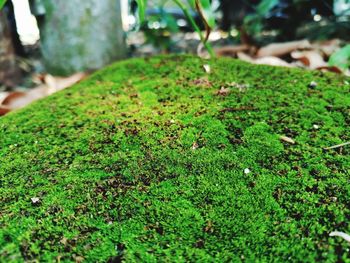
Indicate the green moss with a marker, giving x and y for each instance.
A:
(144, 161)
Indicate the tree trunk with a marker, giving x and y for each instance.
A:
(9, 71)
(80, 35)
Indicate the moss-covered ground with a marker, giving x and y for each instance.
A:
(156, 160)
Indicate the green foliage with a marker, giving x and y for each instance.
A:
(142, 6)
(202, 6)
(161, 37)
(2, 3)
(265, 6)
(145, 162)
(207, 11)
(254, 23)
(341, 58)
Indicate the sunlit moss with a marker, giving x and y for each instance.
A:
(146, 161)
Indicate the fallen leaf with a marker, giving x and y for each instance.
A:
(311, 59)
(230, 51)
(59, 83)
(12, 98)
(3, 96)
(243, 56)
(327, 47)
(4, 110)
(281, 49)
(272, 61)
(287, 139)
(333, 69)
(17, 99)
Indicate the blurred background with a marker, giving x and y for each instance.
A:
(43, 39)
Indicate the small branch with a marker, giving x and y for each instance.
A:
(196, 28)
(337, 146)
(207, 27)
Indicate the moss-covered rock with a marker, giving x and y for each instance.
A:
(154, 159)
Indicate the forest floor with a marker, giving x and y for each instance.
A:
(180, 159)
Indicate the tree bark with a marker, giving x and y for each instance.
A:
(80, 35)
(9, 71)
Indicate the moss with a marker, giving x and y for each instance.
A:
(146, 161)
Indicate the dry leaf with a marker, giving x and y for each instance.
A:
(17, 100)
(272, 61)
(327, 47)
(59, 83)
(4, 110)
(230, 51)
(287, 139)
(3, 96)
(331, 69)
(280, 49)
(311, 59)
(243, 56)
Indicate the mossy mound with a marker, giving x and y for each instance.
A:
(156, 160)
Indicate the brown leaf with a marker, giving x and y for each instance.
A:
(287, 139)
(4, 110)
(3, 96)
(17, 100)
(12, 97)
(281, 49)
(230, 51)
(311, 59)
(272, 61)
(330, 69)
(58, 83)
(245, 57)
(327, 47)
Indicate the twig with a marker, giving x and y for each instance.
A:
(206, 25)
(196, 27)
(337, 146)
